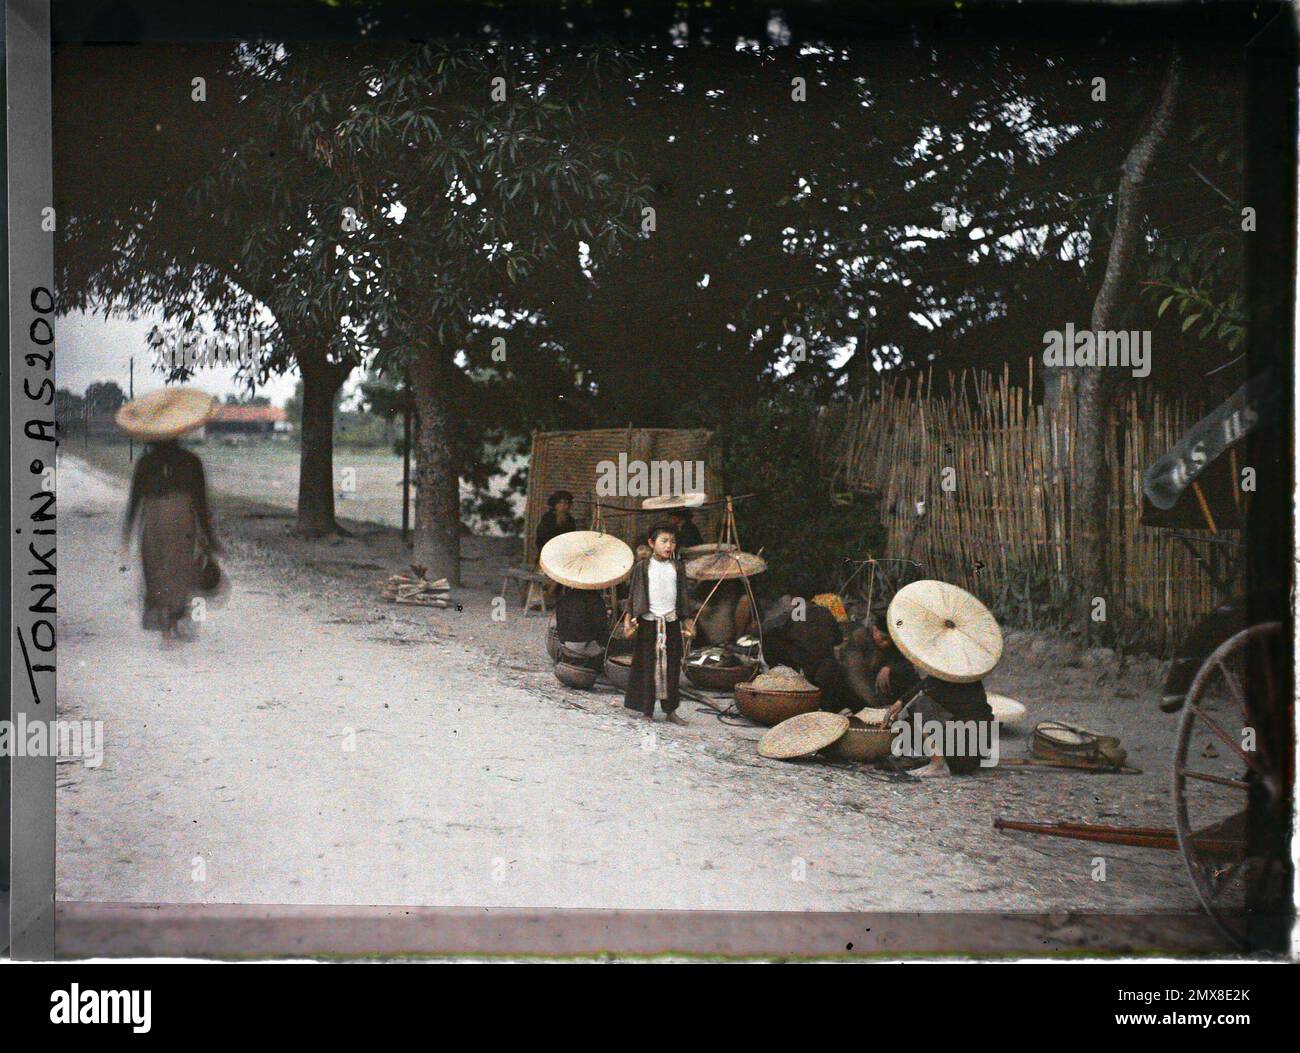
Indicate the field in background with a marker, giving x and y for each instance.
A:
(267, 470)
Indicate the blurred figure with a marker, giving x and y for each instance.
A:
(169, 503)
(169, 506)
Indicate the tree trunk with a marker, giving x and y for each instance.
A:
(437, 494)
(1090, 519)
(320, 383)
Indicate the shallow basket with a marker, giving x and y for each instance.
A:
(575, 676)
(719, 677)
(771, 707)
(861, 742)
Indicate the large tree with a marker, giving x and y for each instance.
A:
(913, 208)
(468, 166)
(1110, 313)
(194, 200)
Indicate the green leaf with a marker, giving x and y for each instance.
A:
(1167, 301)
(1190, 321)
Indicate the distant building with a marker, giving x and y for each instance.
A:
(249, 420)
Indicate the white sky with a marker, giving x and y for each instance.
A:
(92, 347)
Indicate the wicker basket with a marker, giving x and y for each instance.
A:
(861, 742)
(771, 707)
(576, 676)
(720, 677)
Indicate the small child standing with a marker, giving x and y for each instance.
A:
(657, 618)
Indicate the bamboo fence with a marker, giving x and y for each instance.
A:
(974, 484)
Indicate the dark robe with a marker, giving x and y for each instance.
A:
(641, 683)
(550, 525)
(962, 701)
(688, 534)
(942, 701)
(580, 616)
(805, 644)
(169, 502)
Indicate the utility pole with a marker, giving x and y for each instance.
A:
(406, 457)
(131, 395)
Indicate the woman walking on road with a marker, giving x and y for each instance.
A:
(169, 505)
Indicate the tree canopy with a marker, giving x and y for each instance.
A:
(557, 230)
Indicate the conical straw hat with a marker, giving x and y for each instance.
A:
(944, 631)
(692, 500)
(803, 735)
(722, 565)
(166, 413)
(1006, 710)
(586, 559)
(707, 549)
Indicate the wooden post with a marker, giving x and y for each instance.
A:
(406, 459)
(131, 389)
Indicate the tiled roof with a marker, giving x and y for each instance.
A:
(251, 414)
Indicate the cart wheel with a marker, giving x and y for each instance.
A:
(1228, 783)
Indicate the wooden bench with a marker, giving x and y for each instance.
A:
(531, 585)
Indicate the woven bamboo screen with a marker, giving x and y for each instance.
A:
(567, 460)
(1003, 531)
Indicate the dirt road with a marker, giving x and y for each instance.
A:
(317, 746)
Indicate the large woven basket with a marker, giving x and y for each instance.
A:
(862, 742)
(764, 706)
(720, 677)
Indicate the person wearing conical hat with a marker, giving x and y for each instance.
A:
(955, 642)
(168, 509)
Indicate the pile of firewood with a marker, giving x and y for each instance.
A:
(416, 590)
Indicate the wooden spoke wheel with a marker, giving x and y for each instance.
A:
(1230, 784)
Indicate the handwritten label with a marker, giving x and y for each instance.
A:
(36, 632)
